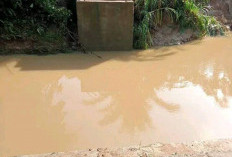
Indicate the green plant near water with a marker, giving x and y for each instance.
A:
(32, 20)
(185, 13)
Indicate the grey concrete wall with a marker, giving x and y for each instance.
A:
(105, 25)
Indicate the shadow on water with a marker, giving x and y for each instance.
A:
(79, 61)
(127, 96)
(87, 93)
(45, 122)
(129, 93)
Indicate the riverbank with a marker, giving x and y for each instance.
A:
(162, 35)
(216, 148)
(170, 34)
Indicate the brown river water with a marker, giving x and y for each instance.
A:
(77, 101)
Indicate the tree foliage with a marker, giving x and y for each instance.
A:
(24, 19)
(186, 13)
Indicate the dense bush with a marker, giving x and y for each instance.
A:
(185, 13)
(28, 19)
(43, 20)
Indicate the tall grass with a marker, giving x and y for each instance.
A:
(186, 13)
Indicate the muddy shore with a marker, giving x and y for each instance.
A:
(216, 148)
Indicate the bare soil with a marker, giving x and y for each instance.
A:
(171, 35)
(217, 148)
(222, 10)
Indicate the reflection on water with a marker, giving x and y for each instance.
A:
(77, 101)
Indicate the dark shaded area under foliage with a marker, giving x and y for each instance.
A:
(41, 25)
(50, 26)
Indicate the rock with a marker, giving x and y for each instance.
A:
(132, 149)
(222, 9)
(100, 149)
(174, 37)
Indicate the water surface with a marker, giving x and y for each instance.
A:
(77, 101)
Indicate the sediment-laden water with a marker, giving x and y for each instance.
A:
(76, 101)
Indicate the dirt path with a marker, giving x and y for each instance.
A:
(219, 148)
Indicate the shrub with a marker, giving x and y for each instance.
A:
(27, 19)
(185, 13)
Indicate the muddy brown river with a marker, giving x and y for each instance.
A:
(76, 101)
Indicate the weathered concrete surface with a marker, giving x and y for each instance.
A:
(218, 148)
(105, 25)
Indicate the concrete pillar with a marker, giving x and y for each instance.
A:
(105, 25)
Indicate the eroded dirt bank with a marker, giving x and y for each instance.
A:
(171, 34)
(222, 10)
(219, 148)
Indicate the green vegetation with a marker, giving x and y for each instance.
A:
(46, 27)
(40, 21)
(185, 13)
